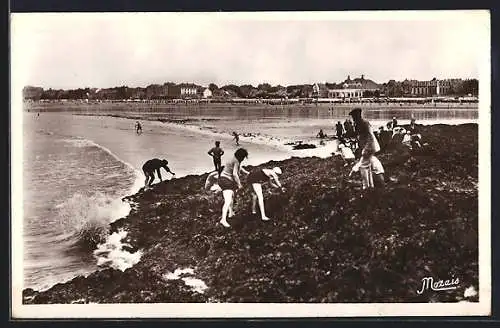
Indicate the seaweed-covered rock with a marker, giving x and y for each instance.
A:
(327, 241)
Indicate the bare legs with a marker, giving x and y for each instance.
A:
(365, 170)
(258, 196)
(149, 179)
(227, 208)
(372, 171)
(377, 173)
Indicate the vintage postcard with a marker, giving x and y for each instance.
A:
(277, 164)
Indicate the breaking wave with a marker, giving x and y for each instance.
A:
(88, 216)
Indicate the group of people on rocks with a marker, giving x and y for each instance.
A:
(228, 177)
(409, 137)
(345, 130)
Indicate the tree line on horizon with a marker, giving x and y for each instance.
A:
(391, 88)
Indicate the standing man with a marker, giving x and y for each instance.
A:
(369, 164)
(216, 153)
(339, 130)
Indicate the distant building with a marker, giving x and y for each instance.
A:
(224, 94)
(432, 87)
(188, 90)
(421, 88)
(356, 88)
(319, 90)
(449, 86)
(207, 93)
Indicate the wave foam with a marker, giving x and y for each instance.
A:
(112, 254)
(88, 215)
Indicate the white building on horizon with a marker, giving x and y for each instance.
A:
(187, 90)
(357, 88)
(207, 93)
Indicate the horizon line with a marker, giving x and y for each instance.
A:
(246, 83)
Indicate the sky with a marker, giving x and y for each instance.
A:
(101, 50)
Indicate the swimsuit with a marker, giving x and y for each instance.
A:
(226, 179)
(227, 184)
(257, 176)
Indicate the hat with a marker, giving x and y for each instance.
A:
(355, 111)
(277, 170)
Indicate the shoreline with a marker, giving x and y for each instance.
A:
(321, 221)
(282, 144)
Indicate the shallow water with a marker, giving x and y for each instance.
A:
(76, 170)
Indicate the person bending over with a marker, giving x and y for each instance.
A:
(153, 165)
(256, 178)
(229, 181)
(346, 153)
(377, 171)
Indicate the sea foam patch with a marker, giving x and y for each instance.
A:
(196, 284)
(112, 254)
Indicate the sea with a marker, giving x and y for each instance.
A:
(77, 167)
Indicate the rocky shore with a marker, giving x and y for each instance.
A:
(326, 243)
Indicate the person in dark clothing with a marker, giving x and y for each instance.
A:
(413, 126)
(339, 130)
(256, 178)
(394, 122)
(415, 137)
(138, 127)
(349, 129)
(153, 165)
(384, 138)
(236, 138)
(216, 153)
(321, 134)
(346, 123)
